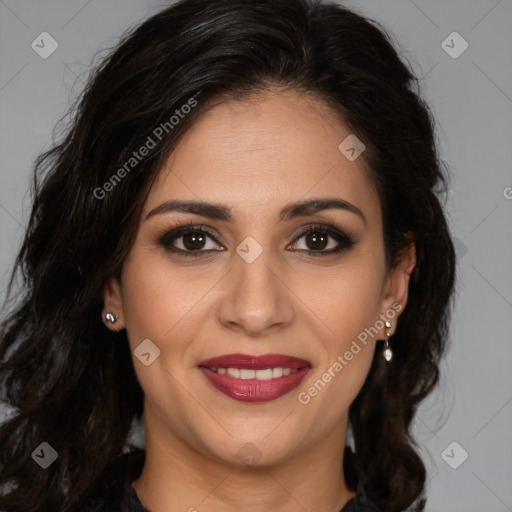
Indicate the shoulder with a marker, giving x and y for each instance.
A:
(112, 491)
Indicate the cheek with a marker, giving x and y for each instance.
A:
(155, 297)
(346, 298)
(355, 319)
(166, 305)
(337, 381)
(157, 305)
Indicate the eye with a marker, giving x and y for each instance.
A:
(196, 240)
(189, 241)
(323, 240)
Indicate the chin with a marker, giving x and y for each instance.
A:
(256, 451)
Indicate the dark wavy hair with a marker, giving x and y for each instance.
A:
(69, 380)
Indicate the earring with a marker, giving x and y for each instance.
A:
(388, 353)
(110, 317)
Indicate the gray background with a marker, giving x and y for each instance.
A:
(471, 97)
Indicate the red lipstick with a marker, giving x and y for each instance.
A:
(281, 375)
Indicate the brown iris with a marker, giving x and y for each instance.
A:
(316, 241)
(194, 241)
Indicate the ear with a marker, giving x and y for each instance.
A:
(113, 303)
(396, 287)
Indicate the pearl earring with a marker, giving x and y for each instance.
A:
(110, 317)
(388, 353)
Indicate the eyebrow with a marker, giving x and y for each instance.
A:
(290, 211)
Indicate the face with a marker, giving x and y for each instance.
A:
(257, 275)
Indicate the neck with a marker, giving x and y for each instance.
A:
(177, 477)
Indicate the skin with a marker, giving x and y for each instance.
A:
(255, 156)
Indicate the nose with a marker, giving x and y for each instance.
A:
(256, 298)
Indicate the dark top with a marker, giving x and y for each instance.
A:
(113, 491)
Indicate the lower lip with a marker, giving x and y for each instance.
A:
(254, 390)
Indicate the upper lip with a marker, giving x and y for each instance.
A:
(248, 362)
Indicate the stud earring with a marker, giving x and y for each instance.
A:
(110, 317)
(388, 353)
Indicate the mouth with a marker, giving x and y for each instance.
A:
(255, 378)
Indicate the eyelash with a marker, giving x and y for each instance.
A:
(345, 241)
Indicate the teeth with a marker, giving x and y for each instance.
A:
(233, 372)
(266, 374)
(277, 372)
(248, 374)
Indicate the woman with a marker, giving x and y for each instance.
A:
(240, 240)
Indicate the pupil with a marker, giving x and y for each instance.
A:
(193, 240)
(318, 240)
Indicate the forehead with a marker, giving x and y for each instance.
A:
(260, 153)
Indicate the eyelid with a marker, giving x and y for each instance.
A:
(343, 238)
(180, 230)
